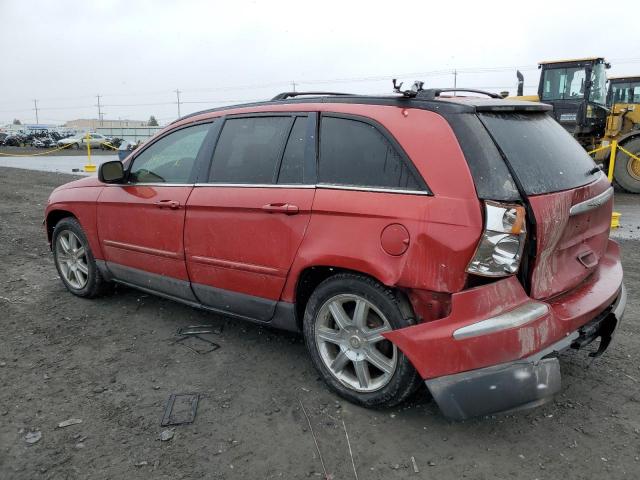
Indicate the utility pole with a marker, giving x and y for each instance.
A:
(35, 104)
(178, 97)
(99, 110)
(455, 81)
(293, 84)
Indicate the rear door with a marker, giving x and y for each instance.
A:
(140, 223)
(569, 197)
(246, 219)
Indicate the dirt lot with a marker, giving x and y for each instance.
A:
(113, 362)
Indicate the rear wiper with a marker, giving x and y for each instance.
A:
(594, 170)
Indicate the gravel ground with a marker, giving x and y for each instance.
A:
(113, 362)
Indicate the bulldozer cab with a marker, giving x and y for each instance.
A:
(625, 90)
(577, 90)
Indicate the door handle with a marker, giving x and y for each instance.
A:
(285, 208)
(168, 204)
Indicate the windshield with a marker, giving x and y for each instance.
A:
(627, 92)
(543, 156)
(563, 83)
(598, 84)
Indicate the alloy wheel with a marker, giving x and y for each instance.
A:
(71, 257)
(348, 334)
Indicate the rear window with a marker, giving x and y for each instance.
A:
(542, 154)
(356, 153)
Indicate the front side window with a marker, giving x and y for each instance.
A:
(171, 159)
(356, 153)
(249, 149)
(563, 83)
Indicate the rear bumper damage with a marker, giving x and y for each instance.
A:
(497, 350)
(521, 384)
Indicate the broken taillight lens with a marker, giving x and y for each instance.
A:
(500, 249)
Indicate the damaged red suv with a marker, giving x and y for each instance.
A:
(457, 241)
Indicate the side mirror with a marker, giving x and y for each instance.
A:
(111, 172)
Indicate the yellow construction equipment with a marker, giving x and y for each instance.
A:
(594, 114)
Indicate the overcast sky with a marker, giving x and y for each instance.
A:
(137, 53)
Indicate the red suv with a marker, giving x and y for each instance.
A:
(458, 241)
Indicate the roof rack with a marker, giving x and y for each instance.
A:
(431, 93)
(285, 95)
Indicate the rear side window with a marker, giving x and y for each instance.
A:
(292, 166)
(356, 153)
(249, 149)
(543, 155)
(490, 174)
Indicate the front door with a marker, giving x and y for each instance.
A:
(141, 222)
(245, 224)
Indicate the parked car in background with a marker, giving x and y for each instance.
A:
(461, 242)
(96, 140)
(43, 142)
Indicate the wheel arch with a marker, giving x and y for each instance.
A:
(623, 139)
(310, 277)
(52, 219)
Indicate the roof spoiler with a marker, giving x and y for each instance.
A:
(514, 107)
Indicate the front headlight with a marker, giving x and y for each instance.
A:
(500, 249)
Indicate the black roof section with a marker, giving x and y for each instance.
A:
(428, 100)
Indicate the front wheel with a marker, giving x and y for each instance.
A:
(343, 326)
(627, 169)
(74, 259)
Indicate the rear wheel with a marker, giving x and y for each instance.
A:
(627, 169)
(343, 326)
(74, 259)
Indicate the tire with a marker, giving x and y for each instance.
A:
(356, 362)
(627, 170)
(77, 268)
(76, 146)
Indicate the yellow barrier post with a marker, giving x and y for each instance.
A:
(89, 167)
(615, 216)
(612, 159)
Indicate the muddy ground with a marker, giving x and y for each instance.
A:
(113, 362)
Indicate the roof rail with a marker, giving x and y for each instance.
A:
(285, 95)
(431, 93)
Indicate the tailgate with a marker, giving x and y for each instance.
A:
(572, 229)
(569, 198)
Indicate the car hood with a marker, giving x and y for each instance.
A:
(69, 140)
(80, 183)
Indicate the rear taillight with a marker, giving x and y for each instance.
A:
(500, 248)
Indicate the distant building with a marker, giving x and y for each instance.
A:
(93, 123)
(27, 127)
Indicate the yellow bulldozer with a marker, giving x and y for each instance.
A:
(606, 121)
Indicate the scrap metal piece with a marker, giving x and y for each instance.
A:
(199, 329)
(181, 409)
(207, 348)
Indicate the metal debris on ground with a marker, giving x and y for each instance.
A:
(181, 409)
(33, 437)
(71, 421)
(315, 440)
(415, 465)
(199, 330)
(206, 345)
(167, 435)
(353, 463)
